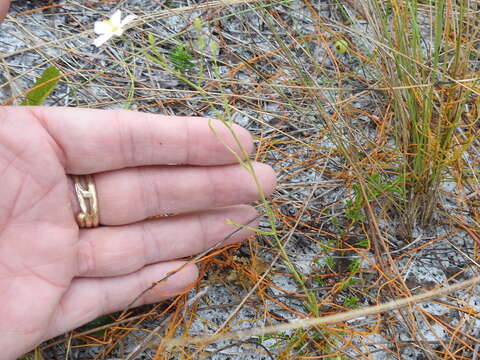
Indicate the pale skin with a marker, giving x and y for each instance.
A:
(54, 276)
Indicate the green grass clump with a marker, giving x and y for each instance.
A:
(428, 69)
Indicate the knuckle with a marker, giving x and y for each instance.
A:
(86, 261)
(126, 138)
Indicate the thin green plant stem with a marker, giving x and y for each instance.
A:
(246, 164)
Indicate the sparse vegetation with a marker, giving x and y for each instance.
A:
(181, 59)
(368, 110)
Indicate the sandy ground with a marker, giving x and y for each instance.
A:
(63, 33)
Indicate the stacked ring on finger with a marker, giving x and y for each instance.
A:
(87, 197)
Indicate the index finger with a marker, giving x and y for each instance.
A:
(100, 140)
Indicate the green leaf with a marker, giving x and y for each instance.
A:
(181, 59)
(151, 39)
(351, 302)
(364, 243)
(43, 87)
(319, 281)
(96, 323)
(354, 265)
(347, 283)
(330, 262)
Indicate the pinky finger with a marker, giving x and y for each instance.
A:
(89, 298)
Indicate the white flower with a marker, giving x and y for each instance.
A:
(111, 27)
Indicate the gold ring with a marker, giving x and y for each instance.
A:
(87, 198)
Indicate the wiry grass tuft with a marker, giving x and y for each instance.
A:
(426, 53)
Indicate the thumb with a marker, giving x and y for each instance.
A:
(4, 5)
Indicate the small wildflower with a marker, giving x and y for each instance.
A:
(108, 28)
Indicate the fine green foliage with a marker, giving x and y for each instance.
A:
(181, 59)
(43, 87)
(330, 261)
(351, 302)
(377, 187)
(353, 209)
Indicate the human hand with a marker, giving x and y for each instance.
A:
(54, 276)
(4, 4)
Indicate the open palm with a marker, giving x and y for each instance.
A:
(54, 276)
